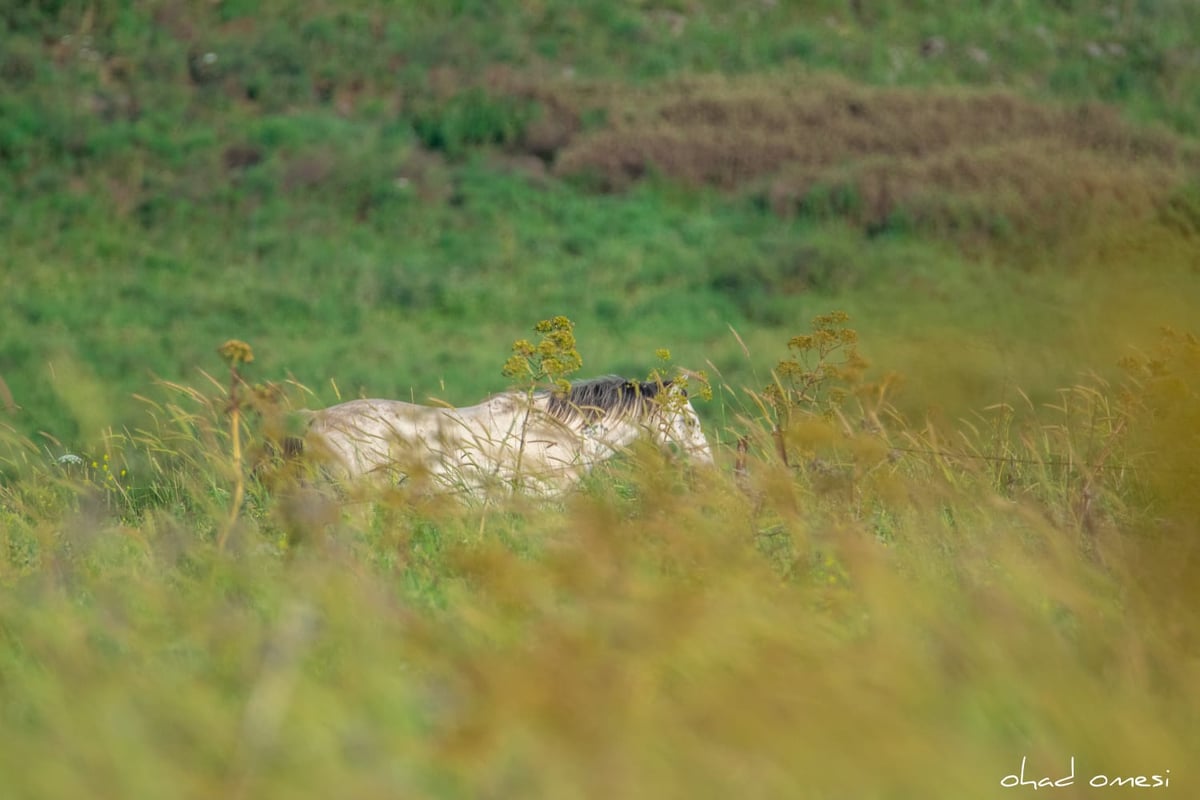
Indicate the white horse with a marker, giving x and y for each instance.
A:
(541, 443)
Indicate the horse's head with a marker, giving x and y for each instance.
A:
(681, 425)
(611, 412)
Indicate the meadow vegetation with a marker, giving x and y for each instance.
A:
(952, 524)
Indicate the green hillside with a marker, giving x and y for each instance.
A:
(383, 194)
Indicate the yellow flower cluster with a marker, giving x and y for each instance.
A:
(827, 356)
(109, 474)
(552, 358)
(235, 351)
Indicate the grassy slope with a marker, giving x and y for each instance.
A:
(423, 306)
(159, 204)
(863, 625)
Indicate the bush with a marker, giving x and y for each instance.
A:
(471, 118)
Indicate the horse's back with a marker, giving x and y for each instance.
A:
(372, 435)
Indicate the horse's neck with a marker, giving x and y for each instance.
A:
(602, 438)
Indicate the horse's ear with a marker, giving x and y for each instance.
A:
(675, 384)
(648, 389)
(645, 389)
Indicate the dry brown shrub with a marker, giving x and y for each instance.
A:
(308, 170)
(241, 156)
(1028, 184)
(553, 129)
(946, 160)
(943, 158)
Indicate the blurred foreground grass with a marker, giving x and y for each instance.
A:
(904, 612)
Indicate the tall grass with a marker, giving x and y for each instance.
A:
(896, 611)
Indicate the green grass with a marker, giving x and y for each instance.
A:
(423, 302)
(974, 566)
(155, 208)
(659, 632)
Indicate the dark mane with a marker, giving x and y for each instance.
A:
(595, 398)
